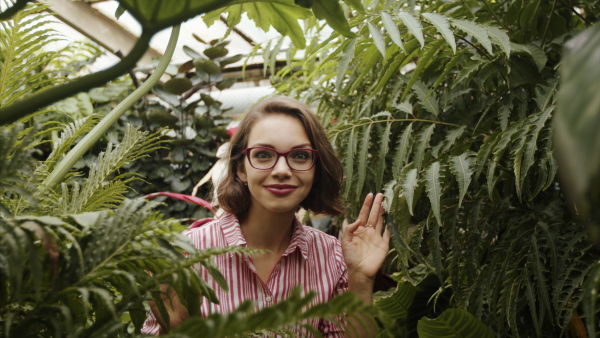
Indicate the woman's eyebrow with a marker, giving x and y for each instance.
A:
(304, 145)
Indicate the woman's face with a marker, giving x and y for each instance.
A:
(279, 189)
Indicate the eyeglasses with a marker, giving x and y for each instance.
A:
(263, 158)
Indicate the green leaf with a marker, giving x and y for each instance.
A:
(216, 52)
(426, 97)
(390, 26)
(396, 306)
(402, 151)
(178, 85)
(377, 38)
(344, 61)
(537, 54)
(478, 31)
(282, 15)
(462, 167)
(441, 23)
(434, 189)
(156, 15)
(362, 160)
(356, 4)
(332, 12)
(422, 145)
(408, 181)
(423, 61)
(383, 150)
(500, 38)
(349, 161)
(413, 25)
(454, 323)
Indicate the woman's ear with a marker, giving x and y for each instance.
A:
(241, 173)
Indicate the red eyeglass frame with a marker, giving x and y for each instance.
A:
(284, 154)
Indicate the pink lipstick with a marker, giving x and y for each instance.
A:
(280, 189)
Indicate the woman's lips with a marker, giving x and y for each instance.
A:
(280, 189)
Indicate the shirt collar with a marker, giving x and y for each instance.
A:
(234, 237)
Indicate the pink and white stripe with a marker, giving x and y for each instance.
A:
(313, 261)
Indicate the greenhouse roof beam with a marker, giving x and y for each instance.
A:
(97, 27)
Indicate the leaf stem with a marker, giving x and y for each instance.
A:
(100, 129)
(337, 132)
(548, 23)
(43, 98)
(487, 4)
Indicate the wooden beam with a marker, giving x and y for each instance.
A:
(98, 28)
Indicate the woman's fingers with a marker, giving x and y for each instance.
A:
(375, 213)
(363, 216)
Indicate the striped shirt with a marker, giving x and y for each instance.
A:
(313, 261)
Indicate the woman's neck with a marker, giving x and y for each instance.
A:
(265, 230)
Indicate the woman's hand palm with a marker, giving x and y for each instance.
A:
(363, 244)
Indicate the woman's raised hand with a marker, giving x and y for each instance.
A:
(363, 244)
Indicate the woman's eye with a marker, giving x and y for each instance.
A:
(301, 155)
(262, 154)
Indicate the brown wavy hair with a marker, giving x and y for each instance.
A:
(324, 197)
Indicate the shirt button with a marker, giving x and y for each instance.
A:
(268, 298)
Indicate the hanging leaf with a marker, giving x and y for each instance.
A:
(413, 25)
(422, 145)
(402, 151)
(332, 12)
(537, 54)
(377, 38)
(434, 189)
(441, 23)
(456, 323)
(408, 181)
(362, 160)
(392, 29)
(344, 61)
(349, 165)
(383, 150)
(462, 167)
(500, 38)
(423, 61)
(478, 31)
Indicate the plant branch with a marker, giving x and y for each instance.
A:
(32, 103)
(487, 4)
(337, 132)
(100, 129)
(10, 12)
(548, 23)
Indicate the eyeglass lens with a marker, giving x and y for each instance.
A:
(261, 158)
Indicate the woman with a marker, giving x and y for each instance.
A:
(281, 160)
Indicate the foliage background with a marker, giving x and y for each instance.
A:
(447, 107)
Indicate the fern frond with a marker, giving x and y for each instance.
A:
(22, 63)
(16, 163)
(67, 139)
(135, 144)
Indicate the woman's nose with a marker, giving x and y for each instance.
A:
(281, 168)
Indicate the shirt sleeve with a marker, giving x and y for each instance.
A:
(151, 325)
(336, 329)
